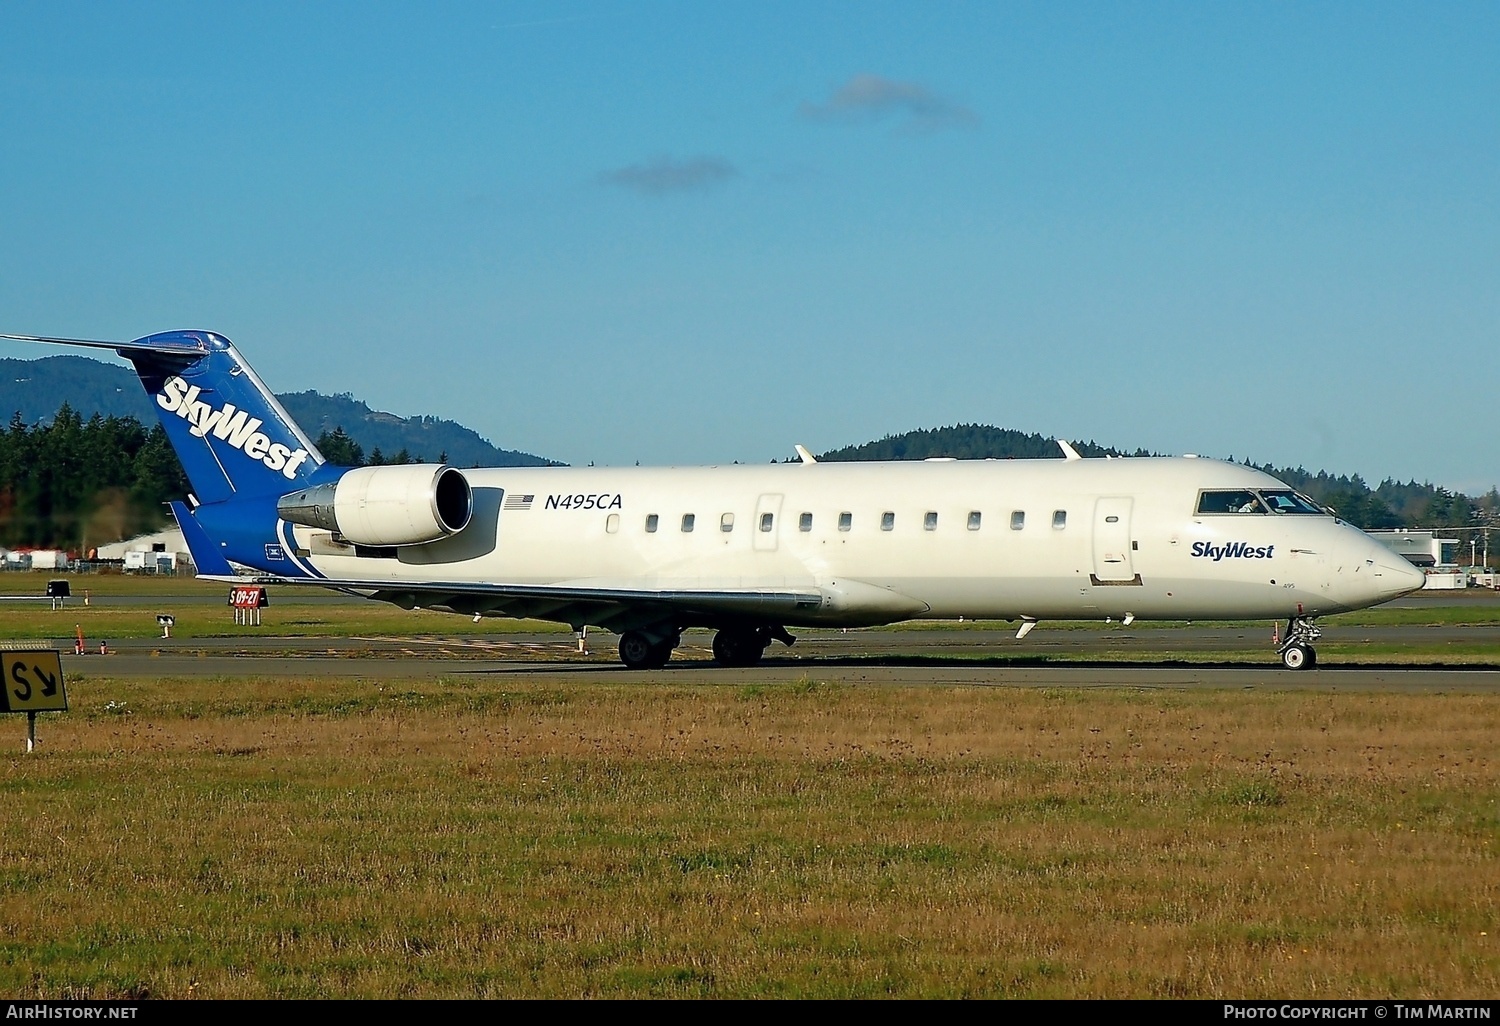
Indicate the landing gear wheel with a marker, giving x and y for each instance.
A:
(739, 647)
(1297, 648)
(1298, 657)
(639, 652)
(661, 654)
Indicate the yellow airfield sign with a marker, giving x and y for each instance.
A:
(33, 682)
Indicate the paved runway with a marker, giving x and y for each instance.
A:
(980, 657)
(1054, 655)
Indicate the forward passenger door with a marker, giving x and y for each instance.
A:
(1112, 559)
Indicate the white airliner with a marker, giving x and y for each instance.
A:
(748, 551)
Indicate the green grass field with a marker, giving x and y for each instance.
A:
(303, 838)
(201, 610)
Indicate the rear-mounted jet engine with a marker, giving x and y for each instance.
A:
(401, 505)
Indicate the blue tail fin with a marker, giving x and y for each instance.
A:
(207, 557)
(233, 439)
(232, 436)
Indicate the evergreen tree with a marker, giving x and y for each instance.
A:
(341, 450)
(77, 485)
(965, 442)
(157, 476)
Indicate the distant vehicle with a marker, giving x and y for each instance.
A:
(748, 551)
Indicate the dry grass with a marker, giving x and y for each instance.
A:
(327, 838)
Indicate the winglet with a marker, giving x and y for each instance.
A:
(1069, 453)
(804, 455)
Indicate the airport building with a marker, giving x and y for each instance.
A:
(1437, 557)
(35, 559)
(1421, 548)
(162, 552)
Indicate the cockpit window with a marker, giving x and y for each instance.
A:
(1229, 502)
(1290, 502)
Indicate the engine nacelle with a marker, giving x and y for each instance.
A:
(397, 505)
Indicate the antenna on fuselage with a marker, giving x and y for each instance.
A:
(804, 455)
(1069, 453)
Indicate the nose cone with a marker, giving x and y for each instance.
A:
(1397, 577)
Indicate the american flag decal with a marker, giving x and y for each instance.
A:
(513, 501)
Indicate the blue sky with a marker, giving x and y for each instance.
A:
(692, 232)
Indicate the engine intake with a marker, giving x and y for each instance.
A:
(401, 505)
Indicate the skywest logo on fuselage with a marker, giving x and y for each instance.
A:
(1232, 550)
(234, 426)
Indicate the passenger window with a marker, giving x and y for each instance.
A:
(974, 520)
(929, 522)
(651, 521)
(1017, 520)
(766, 520)
(887, 521)
(804, 522)
(1229, 502)
(687, 523)
(612, 524)
(1059, 519)
(846, 521)
(726, 523)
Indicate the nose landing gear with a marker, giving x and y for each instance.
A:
(1296, 651)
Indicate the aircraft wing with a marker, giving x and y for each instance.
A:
(614, 609)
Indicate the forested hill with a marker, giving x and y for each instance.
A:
(38, 388)
(428, 439)
(1391, 504)
(965, 442)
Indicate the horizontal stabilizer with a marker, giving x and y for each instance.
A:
(175, 343)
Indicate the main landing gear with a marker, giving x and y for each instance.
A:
(642, 651)
(1297, 652)
(733, 646)
(743, 646)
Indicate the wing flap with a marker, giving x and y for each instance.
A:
(600, 606)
